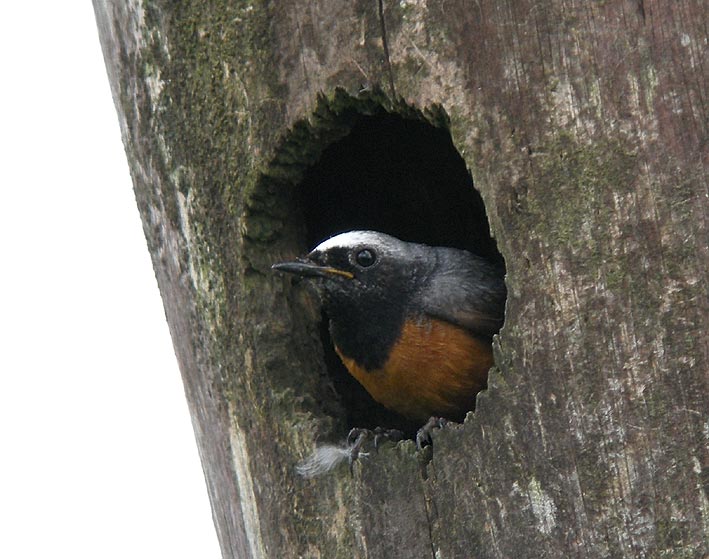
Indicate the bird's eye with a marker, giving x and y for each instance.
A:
(365, 258)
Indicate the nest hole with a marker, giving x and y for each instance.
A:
(397, 172)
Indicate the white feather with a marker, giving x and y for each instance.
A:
(324, 459)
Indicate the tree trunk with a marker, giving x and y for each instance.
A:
(584, 125)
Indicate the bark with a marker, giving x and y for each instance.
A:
(584, 125)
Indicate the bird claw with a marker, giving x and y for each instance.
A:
(392, 435)
(357, 437)
(423, 435)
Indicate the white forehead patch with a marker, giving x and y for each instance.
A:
(350, 239)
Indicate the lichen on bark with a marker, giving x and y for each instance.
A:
(589, 149)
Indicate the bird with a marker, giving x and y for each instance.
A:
(412, 323)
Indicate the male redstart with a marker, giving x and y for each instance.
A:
(412, 323)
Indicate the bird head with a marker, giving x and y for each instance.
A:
(362, 267)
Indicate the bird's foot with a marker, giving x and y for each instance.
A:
(379, 434)
(357, 438)
(423, 435)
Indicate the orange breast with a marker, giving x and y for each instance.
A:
(434, 369)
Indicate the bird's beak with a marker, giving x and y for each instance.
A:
(309, 269)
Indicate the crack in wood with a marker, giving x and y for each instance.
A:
(385, 44)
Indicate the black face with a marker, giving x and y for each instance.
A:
(365, 280)
(369, 270)
(361, 261)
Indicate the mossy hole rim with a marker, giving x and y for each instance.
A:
(305, 168)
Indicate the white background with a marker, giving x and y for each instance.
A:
(97, 454)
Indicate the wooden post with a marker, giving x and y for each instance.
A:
(584, 125)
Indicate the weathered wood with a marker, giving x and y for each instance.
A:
(584, 125)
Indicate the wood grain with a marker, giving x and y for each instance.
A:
(584, 125)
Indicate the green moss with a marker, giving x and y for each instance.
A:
(579, 180)
(228, 182)
(210, 93)
(671, 537)
(332, 119)
(267, 200)
(614, 275)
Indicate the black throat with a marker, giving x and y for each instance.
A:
(366, 332)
